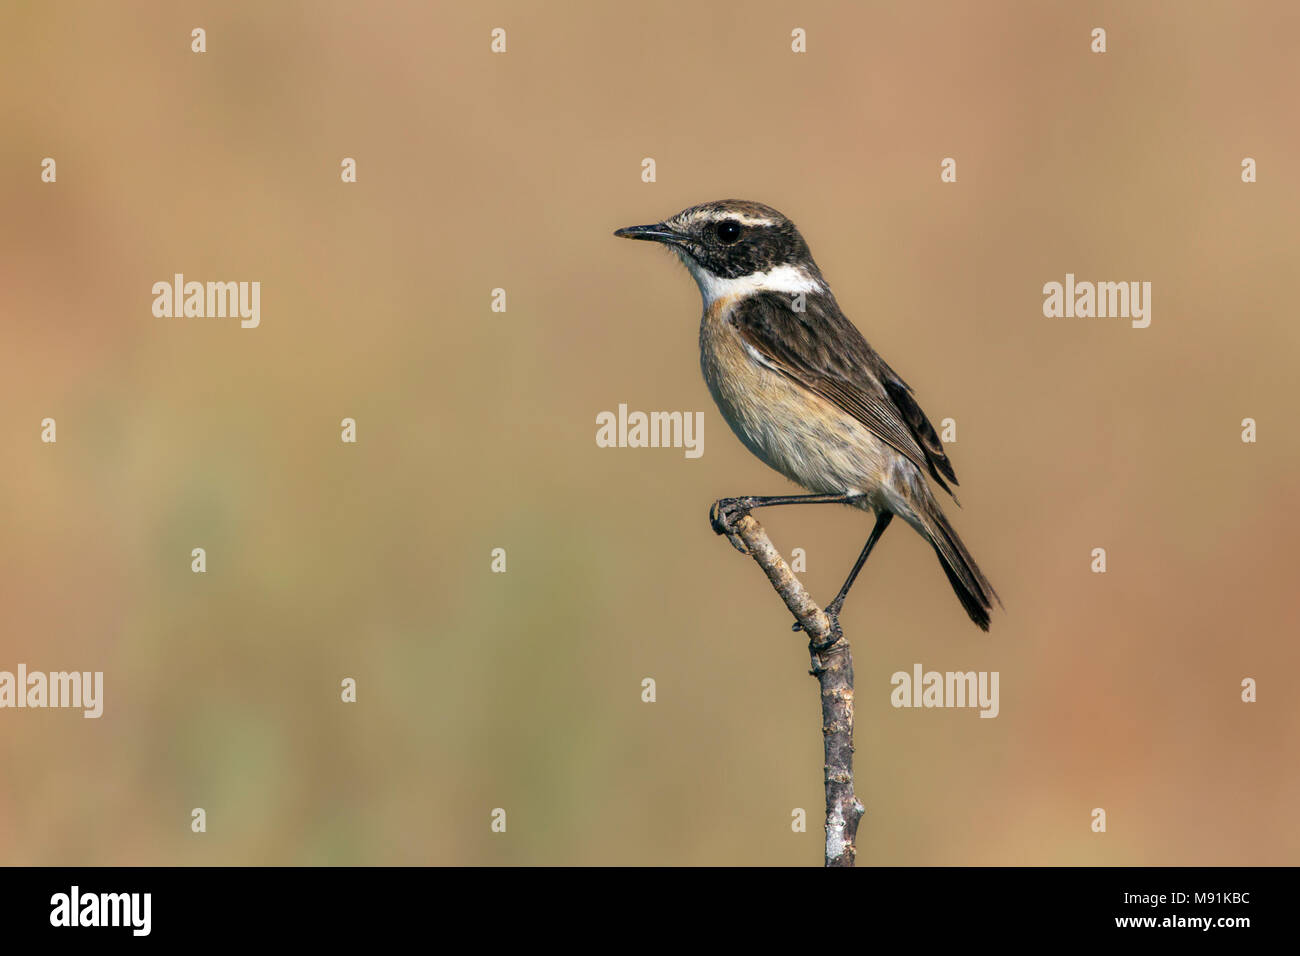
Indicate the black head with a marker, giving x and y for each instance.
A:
(730, 238)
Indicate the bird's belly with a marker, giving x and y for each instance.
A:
(789, 428)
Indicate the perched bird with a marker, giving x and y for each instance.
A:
(803, 390)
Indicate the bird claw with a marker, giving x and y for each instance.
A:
(836, 635)
(723, 517)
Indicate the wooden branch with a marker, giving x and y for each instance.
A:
(832, 665)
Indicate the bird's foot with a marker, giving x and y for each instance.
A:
(832, 612)
(723, 516)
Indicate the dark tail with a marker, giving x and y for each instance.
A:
(973, 588)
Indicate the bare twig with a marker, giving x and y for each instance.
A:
(832, 665)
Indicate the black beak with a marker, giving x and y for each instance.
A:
(655, 233)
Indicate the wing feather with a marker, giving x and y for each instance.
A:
(824, 352)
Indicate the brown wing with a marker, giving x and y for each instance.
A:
(824, 352)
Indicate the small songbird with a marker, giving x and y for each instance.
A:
(803, 390)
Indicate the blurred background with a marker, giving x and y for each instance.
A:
(476, 430)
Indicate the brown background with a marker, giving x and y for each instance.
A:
(522, 691)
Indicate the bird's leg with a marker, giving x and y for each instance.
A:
(726, 511)
(833, 609)
(882, 522)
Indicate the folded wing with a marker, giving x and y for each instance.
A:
(824, 352)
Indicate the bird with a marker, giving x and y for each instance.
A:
(803, 390)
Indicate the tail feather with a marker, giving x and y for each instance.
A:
(968, 581)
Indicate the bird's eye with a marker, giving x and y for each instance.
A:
(728, 231)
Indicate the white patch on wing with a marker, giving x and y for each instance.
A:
(759, 357)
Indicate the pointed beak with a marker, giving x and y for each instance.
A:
(658, 232)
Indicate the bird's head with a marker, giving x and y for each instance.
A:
(733, 246)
